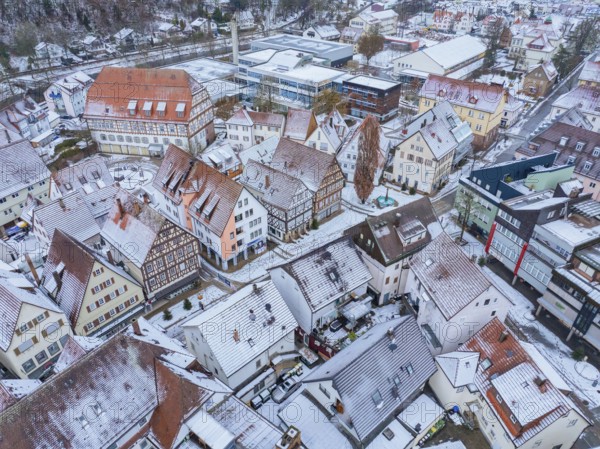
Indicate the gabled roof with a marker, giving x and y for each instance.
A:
(468, 94)
(548, 68)
(587, 99)
(326, 31)
(125, 373)
(181, 174)
(451, 279)
(459, 367)
(70, 214)
(74, 263)
(300, 124)
(456, 51)
(514, 376)
(277, 188)
(15, 290)
(88, 175)
(111, 95)
(371, 364)
(386, 245)
(329, 272)
(125, 227)
(591, 70)
(29, 170)
(257, 305)
(307, 164)
(262, 152)
(352, 34)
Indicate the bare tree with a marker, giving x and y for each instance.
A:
(370, 44)
(368, 156)
(466, 204)
(328, 100)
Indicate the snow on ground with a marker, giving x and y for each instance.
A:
(134, 176)
(551, 346)
(402, 198)
(316, 238)
(384, 59)
(210, 295)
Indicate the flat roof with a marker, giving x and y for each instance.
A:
(376, 83)
(204, 69)
(324, 49)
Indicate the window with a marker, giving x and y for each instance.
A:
(499, 398)
(26, 345)
(231, 236)
(596, 152)
(409, 369)
(587, 166)
(397, 381)
(51, 328)
(377, 399)
(92, 306)
(28, 365)
(41, 357)
(101, 301)
(572, 423)
(53, 348)
(101, 319)
(486, 302)
(486, 363)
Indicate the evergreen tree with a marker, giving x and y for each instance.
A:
(187, 305)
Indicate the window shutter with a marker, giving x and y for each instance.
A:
(35, 321)
(35, 340)
(107, 298)
(44, 333)
(18, 331)
(125, 287)
(46, 314)
(61, 322)
(112, 281)
(17, 352)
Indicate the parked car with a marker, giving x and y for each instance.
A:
(284, 390)
(262, 397)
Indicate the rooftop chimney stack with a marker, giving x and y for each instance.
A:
(121, 209)
(137, 209)
(135, 324)
(235, 42)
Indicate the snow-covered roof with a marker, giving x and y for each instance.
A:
(87, 176)
(518, 381)
(591, 70)
(467, 94)
(277, 188)
(459, 367)
(329, 272)
(307, 164)
(326, 31)
(456, 51)
(372, 82)
(421, 414)
(251, 321)
(30, 168)
(450, 278)
(543, 364)
(378, 372)
(69, 214)
(73, 262)
(300, 124)
(123, 33)
(102, 397)
(585, 98)
(262, 152)
(125, 227)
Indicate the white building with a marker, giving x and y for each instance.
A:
(387, 242)
(34, 329)
(385, 22)
(456, 58)
(26, 117)
(316, 285)
(453, 297)
(238, 338)
(330, 134)
(67, 95)
(511, 398)
(247, 128)
(324, 32)
(348, 154)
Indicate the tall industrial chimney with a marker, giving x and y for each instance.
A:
(235, 40)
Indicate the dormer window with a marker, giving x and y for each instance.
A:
(147, 108)
(596, 152)
(180, 110)
(563, 141)
(131, 107)
(571, 160)
(587, 166)
(580, 146)
(161, 108)
(486, 363)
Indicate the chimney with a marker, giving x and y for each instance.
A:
(503, 336)
(121, 209)
(236, 336)
(136, 208)
(135, 325)
(109, 256)
(58, 280)
(267, 182)
(32, 269)
(146, 198)
(291, 439)
(61, 203)
(235, 42)
(331, 121)
(255, 288)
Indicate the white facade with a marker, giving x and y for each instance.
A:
(450, 333)
(68, 95)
